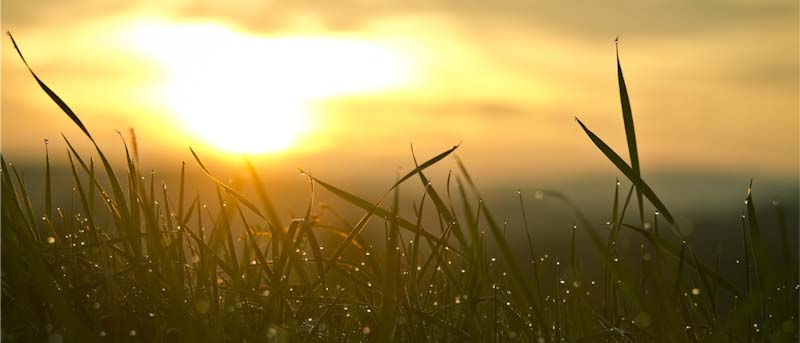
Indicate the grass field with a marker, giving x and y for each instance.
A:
(171, 267)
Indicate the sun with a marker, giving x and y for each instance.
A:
(250, 94)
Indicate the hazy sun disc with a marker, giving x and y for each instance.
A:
(249, 94)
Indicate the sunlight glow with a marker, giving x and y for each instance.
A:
(249, 94)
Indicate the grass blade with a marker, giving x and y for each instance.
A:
(630, 133)
(631, 175)
(61, 104)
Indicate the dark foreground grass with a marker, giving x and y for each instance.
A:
(167, 268)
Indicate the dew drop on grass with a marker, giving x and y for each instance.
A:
(696, 291)
(51, 240)
(132, 333)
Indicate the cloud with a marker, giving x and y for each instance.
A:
(584, 19)
(587, 19)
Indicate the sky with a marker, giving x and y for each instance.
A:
(344, 88)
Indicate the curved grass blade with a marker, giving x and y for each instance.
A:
(631, 175)
(423, 166)
(61, 104)
(229, 190)
(118, 194)
(366, 205)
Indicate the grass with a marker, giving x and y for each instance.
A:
(168, 268)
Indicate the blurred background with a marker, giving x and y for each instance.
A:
(343, 89)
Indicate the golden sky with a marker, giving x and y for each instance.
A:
(714, 84)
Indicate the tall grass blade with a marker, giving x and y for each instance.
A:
(764, 266)
(48, 191)
(630, 133)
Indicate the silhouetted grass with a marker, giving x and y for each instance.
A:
(169, 268)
